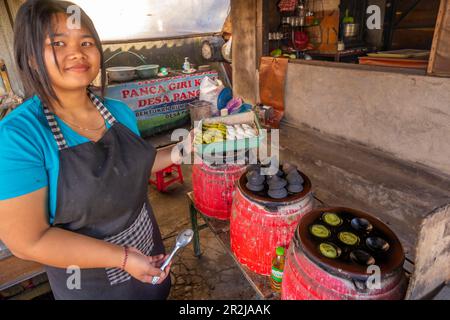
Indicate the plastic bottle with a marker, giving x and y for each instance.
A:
(277, 269)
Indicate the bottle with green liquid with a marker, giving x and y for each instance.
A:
(277, 269)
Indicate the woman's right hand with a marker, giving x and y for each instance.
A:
(144, 268)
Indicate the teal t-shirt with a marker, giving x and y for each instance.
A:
(29, 156)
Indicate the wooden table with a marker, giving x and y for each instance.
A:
(221, 229)
(13, 271)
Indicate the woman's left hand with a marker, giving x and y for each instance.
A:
(157, 262)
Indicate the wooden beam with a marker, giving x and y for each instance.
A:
(406, 13)
(389, 24)
(432, 268)
(8, 11)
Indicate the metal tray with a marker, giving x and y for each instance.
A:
(236, 145)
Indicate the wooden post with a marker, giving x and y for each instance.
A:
(439, 64)
(243, 17)
(432, 270)
(249, 45)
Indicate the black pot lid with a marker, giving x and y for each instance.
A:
(294, 177)
(345, 242)
(295, 188)
(277, 183)
(262, 197)
(278, 193)
(254, 178)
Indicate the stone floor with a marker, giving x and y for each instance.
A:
(212, 276)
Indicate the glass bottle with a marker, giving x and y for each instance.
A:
(186, 65)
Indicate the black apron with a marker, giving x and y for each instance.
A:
(102, 193)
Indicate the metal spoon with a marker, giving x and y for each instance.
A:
(183, 239)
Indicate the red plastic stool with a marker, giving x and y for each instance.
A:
(162, 183)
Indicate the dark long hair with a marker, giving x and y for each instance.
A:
(32, 26)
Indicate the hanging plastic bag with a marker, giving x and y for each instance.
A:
(209, 91)
(272, 78)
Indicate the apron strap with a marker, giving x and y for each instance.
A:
(103, 110)
(56, 131)
(59, 138)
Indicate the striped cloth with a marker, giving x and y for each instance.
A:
(59, 138)
(140, 236)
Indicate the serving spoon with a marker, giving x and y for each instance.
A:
(183, 239)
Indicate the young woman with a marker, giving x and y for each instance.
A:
(74, 170)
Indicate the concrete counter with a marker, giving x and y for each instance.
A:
(401, 112)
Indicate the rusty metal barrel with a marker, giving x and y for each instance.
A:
(214, 187)
(343, 254)
(258, 224)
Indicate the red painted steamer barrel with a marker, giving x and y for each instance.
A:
(358, 258)
(214, 187)
(258, 225)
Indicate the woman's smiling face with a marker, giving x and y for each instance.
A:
(76, 53)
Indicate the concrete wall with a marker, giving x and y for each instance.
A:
(406, 115)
